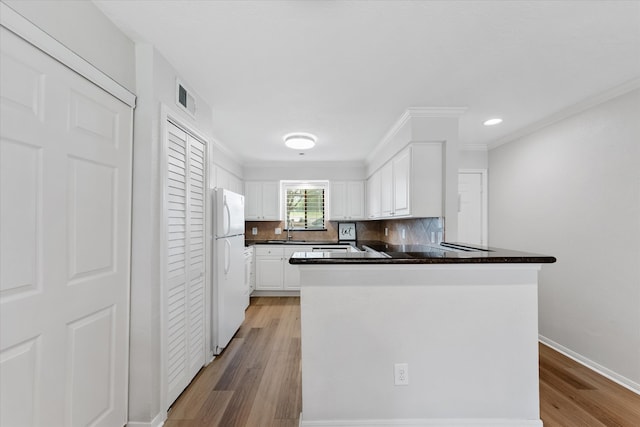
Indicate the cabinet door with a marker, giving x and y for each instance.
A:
(222, 178)
(373, 196)
(292, 272)
(386, 190)
(253, 200)
(338, 208)
(270, 201)
(355, 200)
(235, 184)
(269, 273)
(401, 182)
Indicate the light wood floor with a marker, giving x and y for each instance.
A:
(573, 395)
(256, 381)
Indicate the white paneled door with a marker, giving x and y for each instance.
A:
(65, 190)
(185, 268)
(472, 207)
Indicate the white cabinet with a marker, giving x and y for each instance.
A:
(386, 190)
(401, 183)
(249, 277)
(291, 279)
(347, 200)
(373, 196)
(269, 273)
(262, 201)
(227, 180)
(273, 271)
(410, 184)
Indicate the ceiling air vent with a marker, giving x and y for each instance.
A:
(185, 99)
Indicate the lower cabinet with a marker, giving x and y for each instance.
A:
(273, 271)
(291, 279)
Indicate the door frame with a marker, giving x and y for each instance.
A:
(484, 173)
(22, 27)
(167, 114)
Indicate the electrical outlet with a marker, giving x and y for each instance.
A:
(254, 230)
(401, 374)
(404, 234)
(278, 230)
(386, 231)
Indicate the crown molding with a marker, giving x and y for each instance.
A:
(581, 106)
(415, 112)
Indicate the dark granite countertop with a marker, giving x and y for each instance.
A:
(249, 242)
(447, 253)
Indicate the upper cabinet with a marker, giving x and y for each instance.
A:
(347, 200)
(410, 184)
(227, 180)
(262, 201)
(373, 196)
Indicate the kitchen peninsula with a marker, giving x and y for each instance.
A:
(457, 325)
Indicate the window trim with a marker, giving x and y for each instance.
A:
(305, 185)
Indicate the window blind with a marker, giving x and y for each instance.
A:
(305, 207)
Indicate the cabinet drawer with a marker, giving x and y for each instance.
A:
(269, 251)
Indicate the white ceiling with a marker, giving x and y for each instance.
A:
(347, 70)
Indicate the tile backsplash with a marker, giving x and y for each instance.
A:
(418, 230)
(365, 230)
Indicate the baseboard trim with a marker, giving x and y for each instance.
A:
(426, 422)
(258, 293)
(158, 421)
(605, 372)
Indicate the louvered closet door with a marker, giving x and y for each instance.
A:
(185, 314)
(196, 256)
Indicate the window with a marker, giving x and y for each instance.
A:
(304, 205)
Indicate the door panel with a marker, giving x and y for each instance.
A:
(65, 190)
(196, 256)
(92, 205)
(471, 211)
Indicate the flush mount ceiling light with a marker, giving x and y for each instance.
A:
(492, 122)
(300, 141)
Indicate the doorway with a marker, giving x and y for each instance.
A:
(472, 207)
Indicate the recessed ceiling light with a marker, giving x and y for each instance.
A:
(492, 122)
(300, 140)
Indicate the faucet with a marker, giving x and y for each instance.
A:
(289, 229)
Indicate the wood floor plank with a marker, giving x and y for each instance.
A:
(558, 410)
(256, 382)
(188, 405)
(582, 391)
(289, 405)
(266, 399)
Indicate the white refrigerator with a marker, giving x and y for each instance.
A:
(229, 296)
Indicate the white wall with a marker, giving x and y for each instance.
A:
(81, 26)
(467, 332)
(305, 171)
(155, 83)
(572, 190)
(473, 159)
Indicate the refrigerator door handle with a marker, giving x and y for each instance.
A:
(227, 256)
(227, 217)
